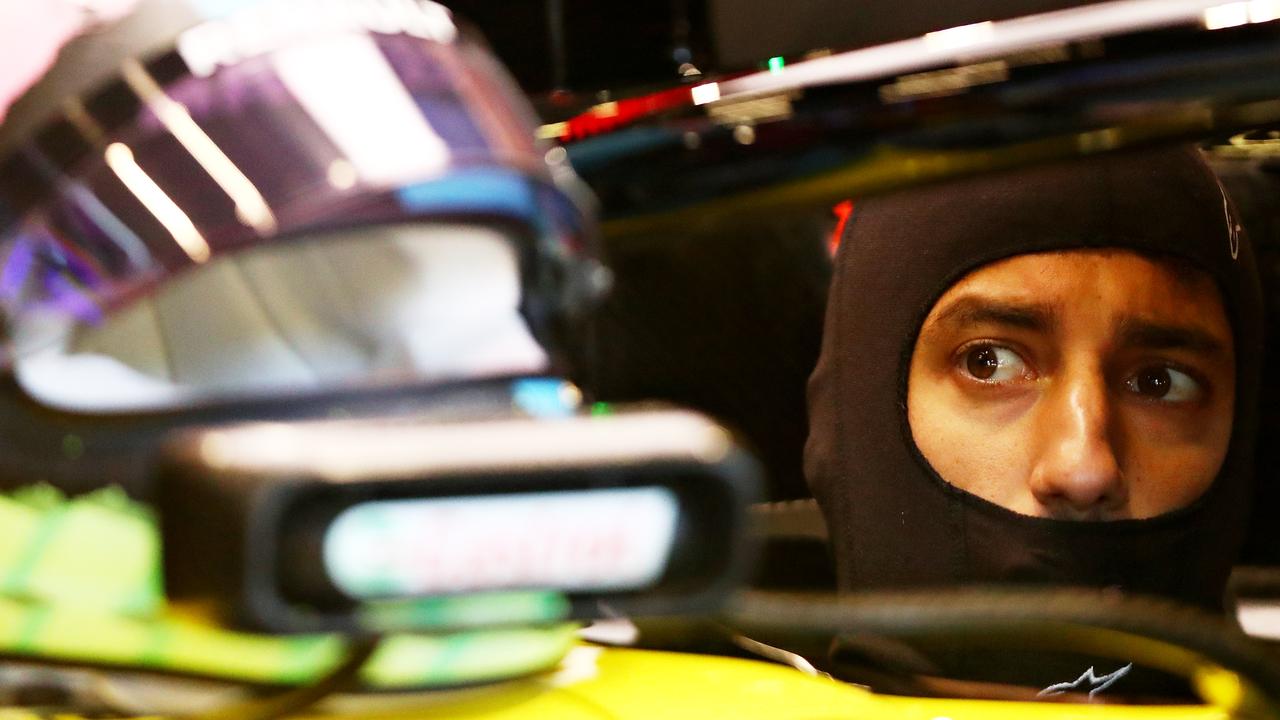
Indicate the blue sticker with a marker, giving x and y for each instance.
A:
(482, 191)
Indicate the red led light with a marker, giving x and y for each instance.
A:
(612, 115)
(842, 211)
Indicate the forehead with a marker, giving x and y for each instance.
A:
(1095, 284)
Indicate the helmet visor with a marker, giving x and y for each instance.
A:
(317, 139)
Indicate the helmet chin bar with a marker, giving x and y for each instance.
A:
(412, 302)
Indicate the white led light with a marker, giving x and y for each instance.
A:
(1264, 10)
(1259, 618)
(957, 38)
(703, 94)
(997, 39)
(1225, 16)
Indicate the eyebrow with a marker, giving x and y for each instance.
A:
(1038, 317)
(1146, 335)
(972, 309)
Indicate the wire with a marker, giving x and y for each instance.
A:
(292, 701)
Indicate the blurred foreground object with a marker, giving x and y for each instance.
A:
(82, 586)
(373, 525)
(216, 211)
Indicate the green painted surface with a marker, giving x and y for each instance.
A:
(80, 582)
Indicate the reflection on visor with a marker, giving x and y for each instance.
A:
(358, 130)
(410, 302)
(339, 83)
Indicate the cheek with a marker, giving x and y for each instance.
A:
(980, 450)
(1170, 460)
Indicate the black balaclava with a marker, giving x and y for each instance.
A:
(894, 522)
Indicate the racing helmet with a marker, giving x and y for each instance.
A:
(217, 210)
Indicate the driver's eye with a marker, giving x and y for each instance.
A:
(1164, 383)
(993, 364)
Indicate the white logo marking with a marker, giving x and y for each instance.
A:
(1088, 679)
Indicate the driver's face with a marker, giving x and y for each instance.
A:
(1088, 385)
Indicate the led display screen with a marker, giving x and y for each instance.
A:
(596, 540)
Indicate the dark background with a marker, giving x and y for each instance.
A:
(614, 45)
(729, 323)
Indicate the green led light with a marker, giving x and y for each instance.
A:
(601, 408)
(776, 64)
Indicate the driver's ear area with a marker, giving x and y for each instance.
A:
(1254, 186)
(1253, 182)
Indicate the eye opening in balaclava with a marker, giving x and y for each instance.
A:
(896, 523)
(1004, 298)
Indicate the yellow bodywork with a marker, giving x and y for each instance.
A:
(79, 585)
(596, 683)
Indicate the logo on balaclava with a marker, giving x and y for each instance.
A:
(1087, 681)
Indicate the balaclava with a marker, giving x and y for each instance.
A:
(894, 522)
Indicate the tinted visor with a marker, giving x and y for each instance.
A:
(341, 132)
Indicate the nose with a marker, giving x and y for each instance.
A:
(1077, 473)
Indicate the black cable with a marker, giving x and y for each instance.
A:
(291, 701)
